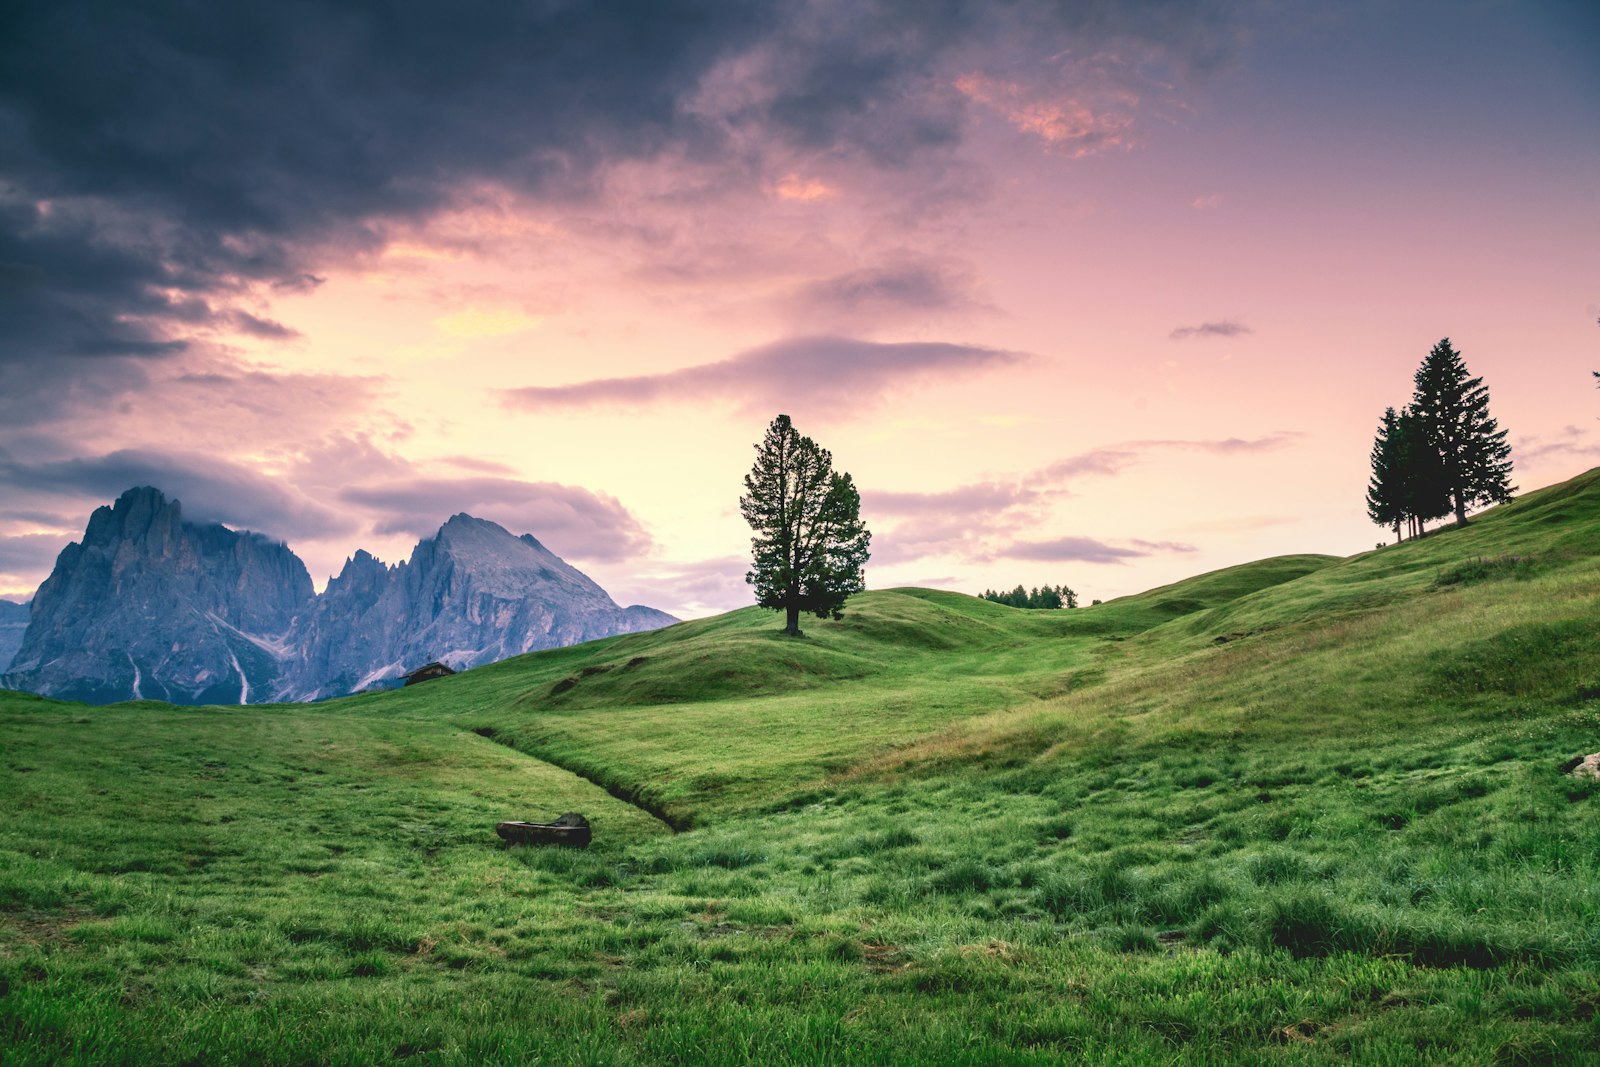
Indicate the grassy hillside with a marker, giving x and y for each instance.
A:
(1301, 811)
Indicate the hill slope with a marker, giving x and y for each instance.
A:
(1301, 811)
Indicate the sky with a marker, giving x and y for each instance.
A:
(1097, 294)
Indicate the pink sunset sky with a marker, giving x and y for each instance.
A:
(1096, 294)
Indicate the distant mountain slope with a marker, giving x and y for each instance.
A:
(149, 605)
(13, 621)
(471, 594)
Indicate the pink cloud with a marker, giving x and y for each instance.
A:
(828, 374)
(1066, 122)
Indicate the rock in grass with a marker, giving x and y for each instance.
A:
(570, 829)
(1583, 766)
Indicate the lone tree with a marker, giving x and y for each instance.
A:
(1452, 412)
(809, 543)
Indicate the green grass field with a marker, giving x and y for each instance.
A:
(1307, 810)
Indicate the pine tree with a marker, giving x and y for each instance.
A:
(1386, 503)
(1452, 410)
(1424, 493)
(809, 543)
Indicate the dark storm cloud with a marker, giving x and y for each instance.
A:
(835, 374)
(1226, 328)
(210, 489)
(574, 522)
(161, 158)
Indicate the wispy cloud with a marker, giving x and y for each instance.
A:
(211, 489)
(979, 498)
(1086, 550)
(981, 521)
(1223, 328)
(827, 375)
(1568, 441)
(906, 288)
(685, 589)
(1065, 121)
(1112, 459)
(576, 523)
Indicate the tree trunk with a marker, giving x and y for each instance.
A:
(1461, 511)
(793, 626)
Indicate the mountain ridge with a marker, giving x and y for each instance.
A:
(149, 604)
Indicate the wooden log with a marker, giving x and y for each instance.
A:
(570, 829)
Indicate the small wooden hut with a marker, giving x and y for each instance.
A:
(428, 673)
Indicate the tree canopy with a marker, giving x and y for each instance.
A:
(1443, 453)
(1452, 410)
(808, 544)
(1407, 488)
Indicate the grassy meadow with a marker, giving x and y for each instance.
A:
(1307, 810)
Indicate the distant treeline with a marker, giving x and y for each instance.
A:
(1047, 597)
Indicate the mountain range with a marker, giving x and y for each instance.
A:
(151, 605)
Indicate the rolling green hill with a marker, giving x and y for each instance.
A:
(1303, 810)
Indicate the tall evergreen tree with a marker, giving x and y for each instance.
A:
(1386, 503)
(1424, 492)
(1407, 487)
(1452, 410)
(809, 543)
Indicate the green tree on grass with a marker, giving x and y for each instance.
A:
(1452, 410)
(809, 542)
(1386, 503)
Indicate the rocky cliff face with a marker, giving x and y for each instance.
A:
(148, 605)
(471, 594)
(13, 621)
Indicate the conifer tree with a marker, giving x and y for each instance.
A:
(1424, 494)
(1386, 504)
(1452, 411)
(809, 543)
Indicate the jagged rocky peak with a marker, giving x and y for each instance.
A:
(150, 604)
(362, 570)
(137, 515)
(471, 594)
